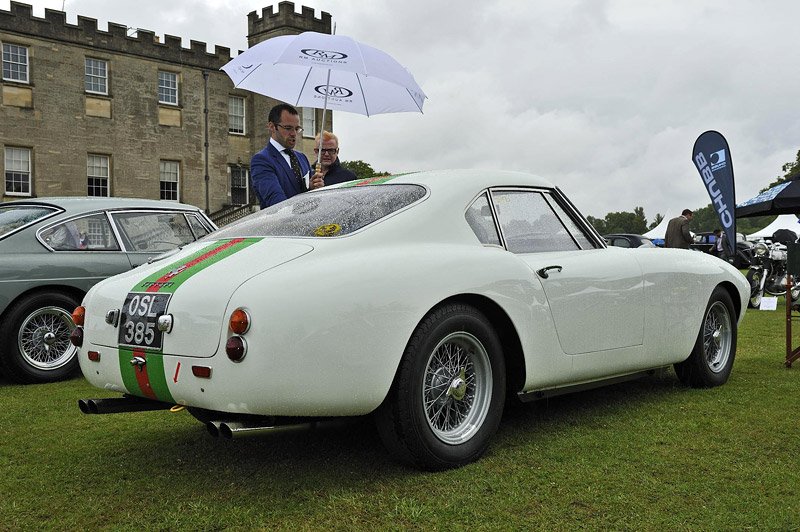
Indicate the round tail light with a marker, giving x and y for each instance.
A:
(78, 315)
(236, 348)
(240, 321)
(76, 336)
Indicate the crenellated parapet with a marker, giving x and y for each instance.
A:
(285, 22)
(20, 20)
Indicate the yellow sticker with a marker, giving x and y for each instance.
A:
(327, 230)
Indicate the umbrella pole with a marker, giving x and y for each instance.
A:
(322, 125)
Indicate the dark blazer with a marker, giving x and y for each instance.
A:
(273, 178)
(678, 235)
(337, 173)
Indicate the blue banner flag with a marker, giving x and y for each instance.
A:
(712, 157)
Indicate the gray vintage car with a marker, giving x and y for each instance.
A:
(52, 250)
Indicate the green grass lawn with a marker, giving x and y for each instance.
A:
(648, 454)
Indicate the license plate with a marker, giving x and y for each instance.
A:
(138, 323)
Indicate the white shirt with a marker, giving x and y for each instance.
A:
(280, 149)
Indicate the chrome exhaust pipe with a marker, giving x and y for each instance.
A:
(116, 405)
(234, 430)
(213, 428)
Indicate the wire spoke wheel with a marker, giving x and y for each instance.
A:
(717, 337)
(457, 387)
(447, 398)
(43, 338)
(711, 360)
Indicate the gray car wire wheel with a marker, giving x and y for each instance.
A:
(43, 338)
(717, 337)
(34, 338)
(457, 387)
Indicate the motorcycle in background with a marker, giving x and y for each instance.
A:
(767, 273)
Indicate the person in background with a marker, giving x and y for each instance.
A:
(331, 171)
(718, 250)
(678, 234)
(278, 171)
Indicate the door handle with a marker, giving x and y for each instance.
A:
(543, 271)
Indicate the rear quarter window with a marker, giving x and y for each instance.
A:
(12, 217)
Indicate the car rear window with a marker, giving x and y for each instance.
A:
(325, 213)
(15, 216)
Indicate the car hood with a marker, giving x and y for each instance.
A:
(196, 285)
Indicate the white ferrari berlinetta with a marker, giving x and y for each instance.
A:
(425, 299)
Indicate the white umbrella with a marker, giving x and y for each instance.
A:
(327, 72)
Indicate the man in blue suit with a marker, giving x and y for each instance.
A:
(278, 172)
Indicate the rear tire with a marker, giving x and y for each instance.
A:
(447, 398)
(712, 358)
(34, 339)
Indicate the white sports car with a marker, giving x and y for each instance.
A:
(424, 299)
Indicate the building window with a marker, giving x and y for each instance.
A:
(309, 121)
(97, 172)
(15, 63)
(167, 87)
(236, 115)
(18, 171)
(96, 78)
(169, 180)
(240, 185)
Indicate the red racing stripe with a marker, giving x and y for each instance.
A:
(142, 378)
(164, 278)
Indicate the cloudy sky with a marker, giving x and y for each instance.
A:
(603, 97)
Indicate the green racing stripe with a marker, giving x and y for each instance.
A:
(149, 379)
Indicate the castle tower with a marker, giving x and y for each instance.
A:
(284, 22)
(151, 111)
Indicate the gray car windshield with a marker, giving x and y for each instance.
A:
(15, 216)
(325, 213)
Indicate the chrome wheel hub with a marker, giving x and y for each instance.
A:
(457, 387)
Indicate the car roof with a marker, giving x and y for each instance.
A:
(79, 204)
(458, 187)
(470, 179)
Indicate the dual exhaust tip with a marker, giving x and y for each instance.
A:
(228, 430)
(114, 405)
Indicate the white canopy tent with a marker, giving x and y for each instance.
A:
(784, 221)
(660, 230)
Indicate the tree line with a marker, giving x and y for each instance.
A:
(705, 218)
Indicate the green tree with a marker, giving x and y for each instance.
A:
(705, 220)
(657, 220)
(621, 222)
(790, 171)
(361, 169)
(598, 223)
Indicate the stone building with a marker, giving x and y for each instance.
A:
(91, 112)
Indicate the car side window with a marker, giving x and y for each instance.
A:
(576, 232)
(197, 226)
(621, 243)
(89, 233)
(530, 224)
(153, 231)
(479, 218)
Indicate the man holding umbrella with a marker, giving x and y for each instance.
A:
(278, 171)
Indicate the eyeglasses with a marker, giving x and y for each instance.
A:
(329, 151)
(296, 129)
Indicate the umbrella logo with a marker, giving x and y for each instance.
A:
(323, 54)
(333, 92)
